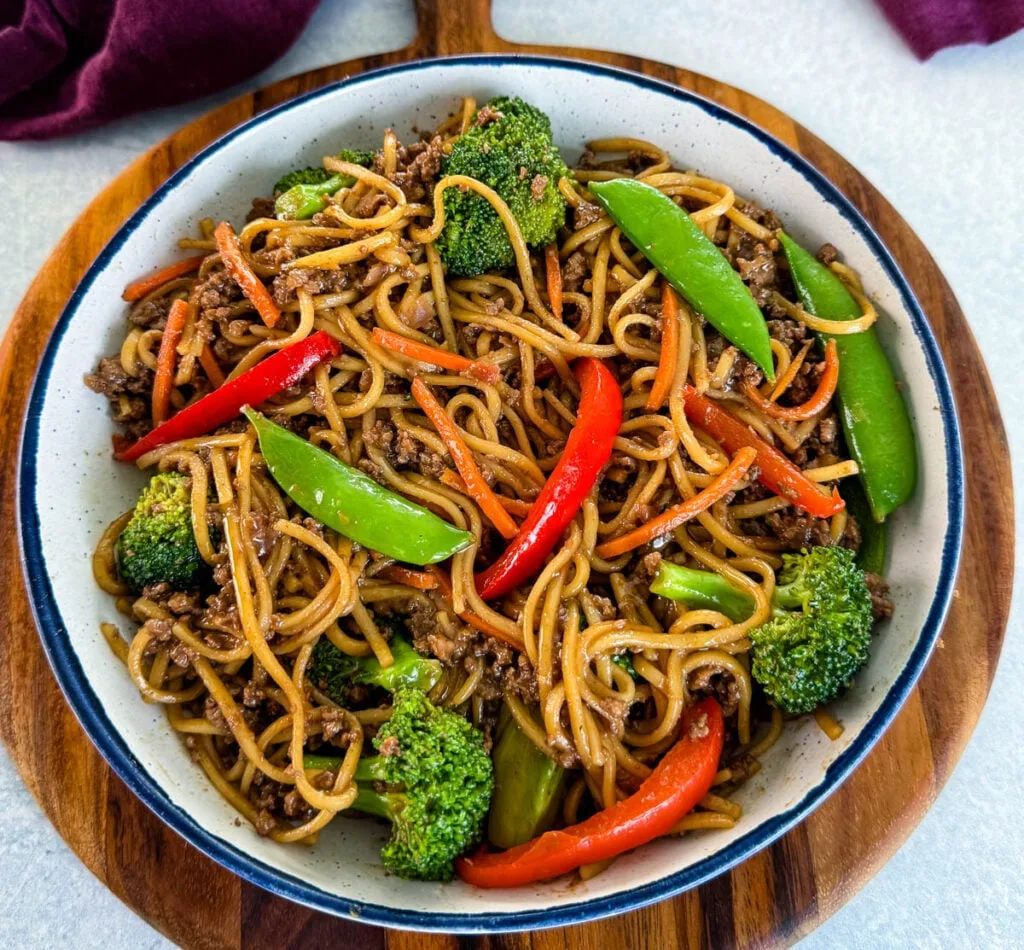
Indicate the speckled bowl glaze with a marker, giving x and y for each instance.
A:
(66, 467)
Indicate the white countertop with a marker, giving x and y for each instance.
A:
(943, 141)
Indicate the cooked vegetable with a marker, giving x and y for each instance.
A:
(238, 267)
(485, 370)
(874, 535)
(513, 154)
(670, 239)
(528, 789)
(157, 545)
(669, 350)
(816, 403)
(820, 630)
(225, 403)
(679, 781)
(303, 192)
(875, 419)
(438, 781)
(724, 483)
(586, 450)
(138, 289)
(352, 503)
(331, 670)
(166, 360)
(775, 471)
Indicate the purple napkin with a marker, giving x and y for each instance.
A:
(931, 25)
(70, 65)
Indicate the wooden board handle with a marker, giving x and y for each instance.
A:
(450, 27)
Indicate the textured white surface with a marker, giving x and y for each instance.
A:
(942, 140)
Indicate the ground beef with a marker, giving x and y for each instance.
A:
(487, 114)
(218, 289)
(417, 167)
(261, 208)
(709, 681)
(111, 380)
(756, 265)
(537, 185)
(881, 602)
(573, 272)
(585, 214)
(402, 450)
(285, 287)
(827, 254)
(797, 529)
(261, 531)
(151, 314)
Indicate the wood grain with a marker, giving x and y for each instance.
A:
(771, 900)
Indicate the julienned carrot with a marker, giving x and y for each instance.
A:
(669, 349)
(554, 273)
(211, 367)
(421, 580)
(138, 289)
(478, 489)
(819, 400)
(253, 288)
(166, 360)
(669, 520)
(794, 367)
(514, 506)
(483, 370)
(444, 584)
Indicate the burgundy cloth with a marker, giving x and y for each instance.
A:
(931, 25)
(70, 65)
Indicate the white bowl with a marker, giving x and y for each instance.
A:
(70, 488)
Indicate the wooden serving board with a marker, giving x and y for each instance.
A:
(772, 899)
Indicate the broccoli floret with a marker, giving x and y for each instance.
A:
(157, 545)
(303, 192)
(357, 156)
(438, 781)
(331, 670)
(514, 155)
(820, 633)
(301, 176)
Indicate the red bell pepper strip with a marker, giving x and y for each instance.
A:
(680, 780)
(588, 448)
(776, 472)
(254, 386)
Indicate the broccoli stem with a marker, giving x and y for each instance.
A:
(379, 804)
(369, 770)
(702, 589)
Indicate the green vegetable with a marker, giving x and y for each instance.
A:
(874, 415)
(684, 255)
(303, 192)
(625, 660)
(507, 154)
(332, 670)
(352, 503)
(157, 545)
(820, 630)
(438, 786)
(874, 535)
(528, 789)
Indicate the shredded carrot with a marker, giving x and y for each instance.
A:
(421, 580)
(166, 358)
(819, 399)
(253, 288)
(514, 506)
(679, 514)
(669, 350)
(444, 584)
(794, 367)
(483, 370)
(138, 289)
(211, 367)
(477, 488)
(554, 270)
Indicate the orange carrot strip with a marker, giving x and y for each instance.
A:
(514, 506)
(166, 358)
(421, 580)
(669, 350)
(477, 488)
(444, 584)
(138, 289)
(794, 367)
(819, 400)
(554, 269)
(411, 349)
(253, 288)
(211, 367)
(681, 513)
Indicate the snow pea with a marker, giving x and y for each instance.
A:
(874, 535)
(670, 239)
(352, 503)
(875, 419)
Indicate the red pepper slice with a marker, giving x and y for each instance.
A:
(776, 472)
(588, 448)
(255, 385)
(680, 780)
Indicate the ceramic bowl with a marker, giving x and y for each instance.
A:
(70, 488)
